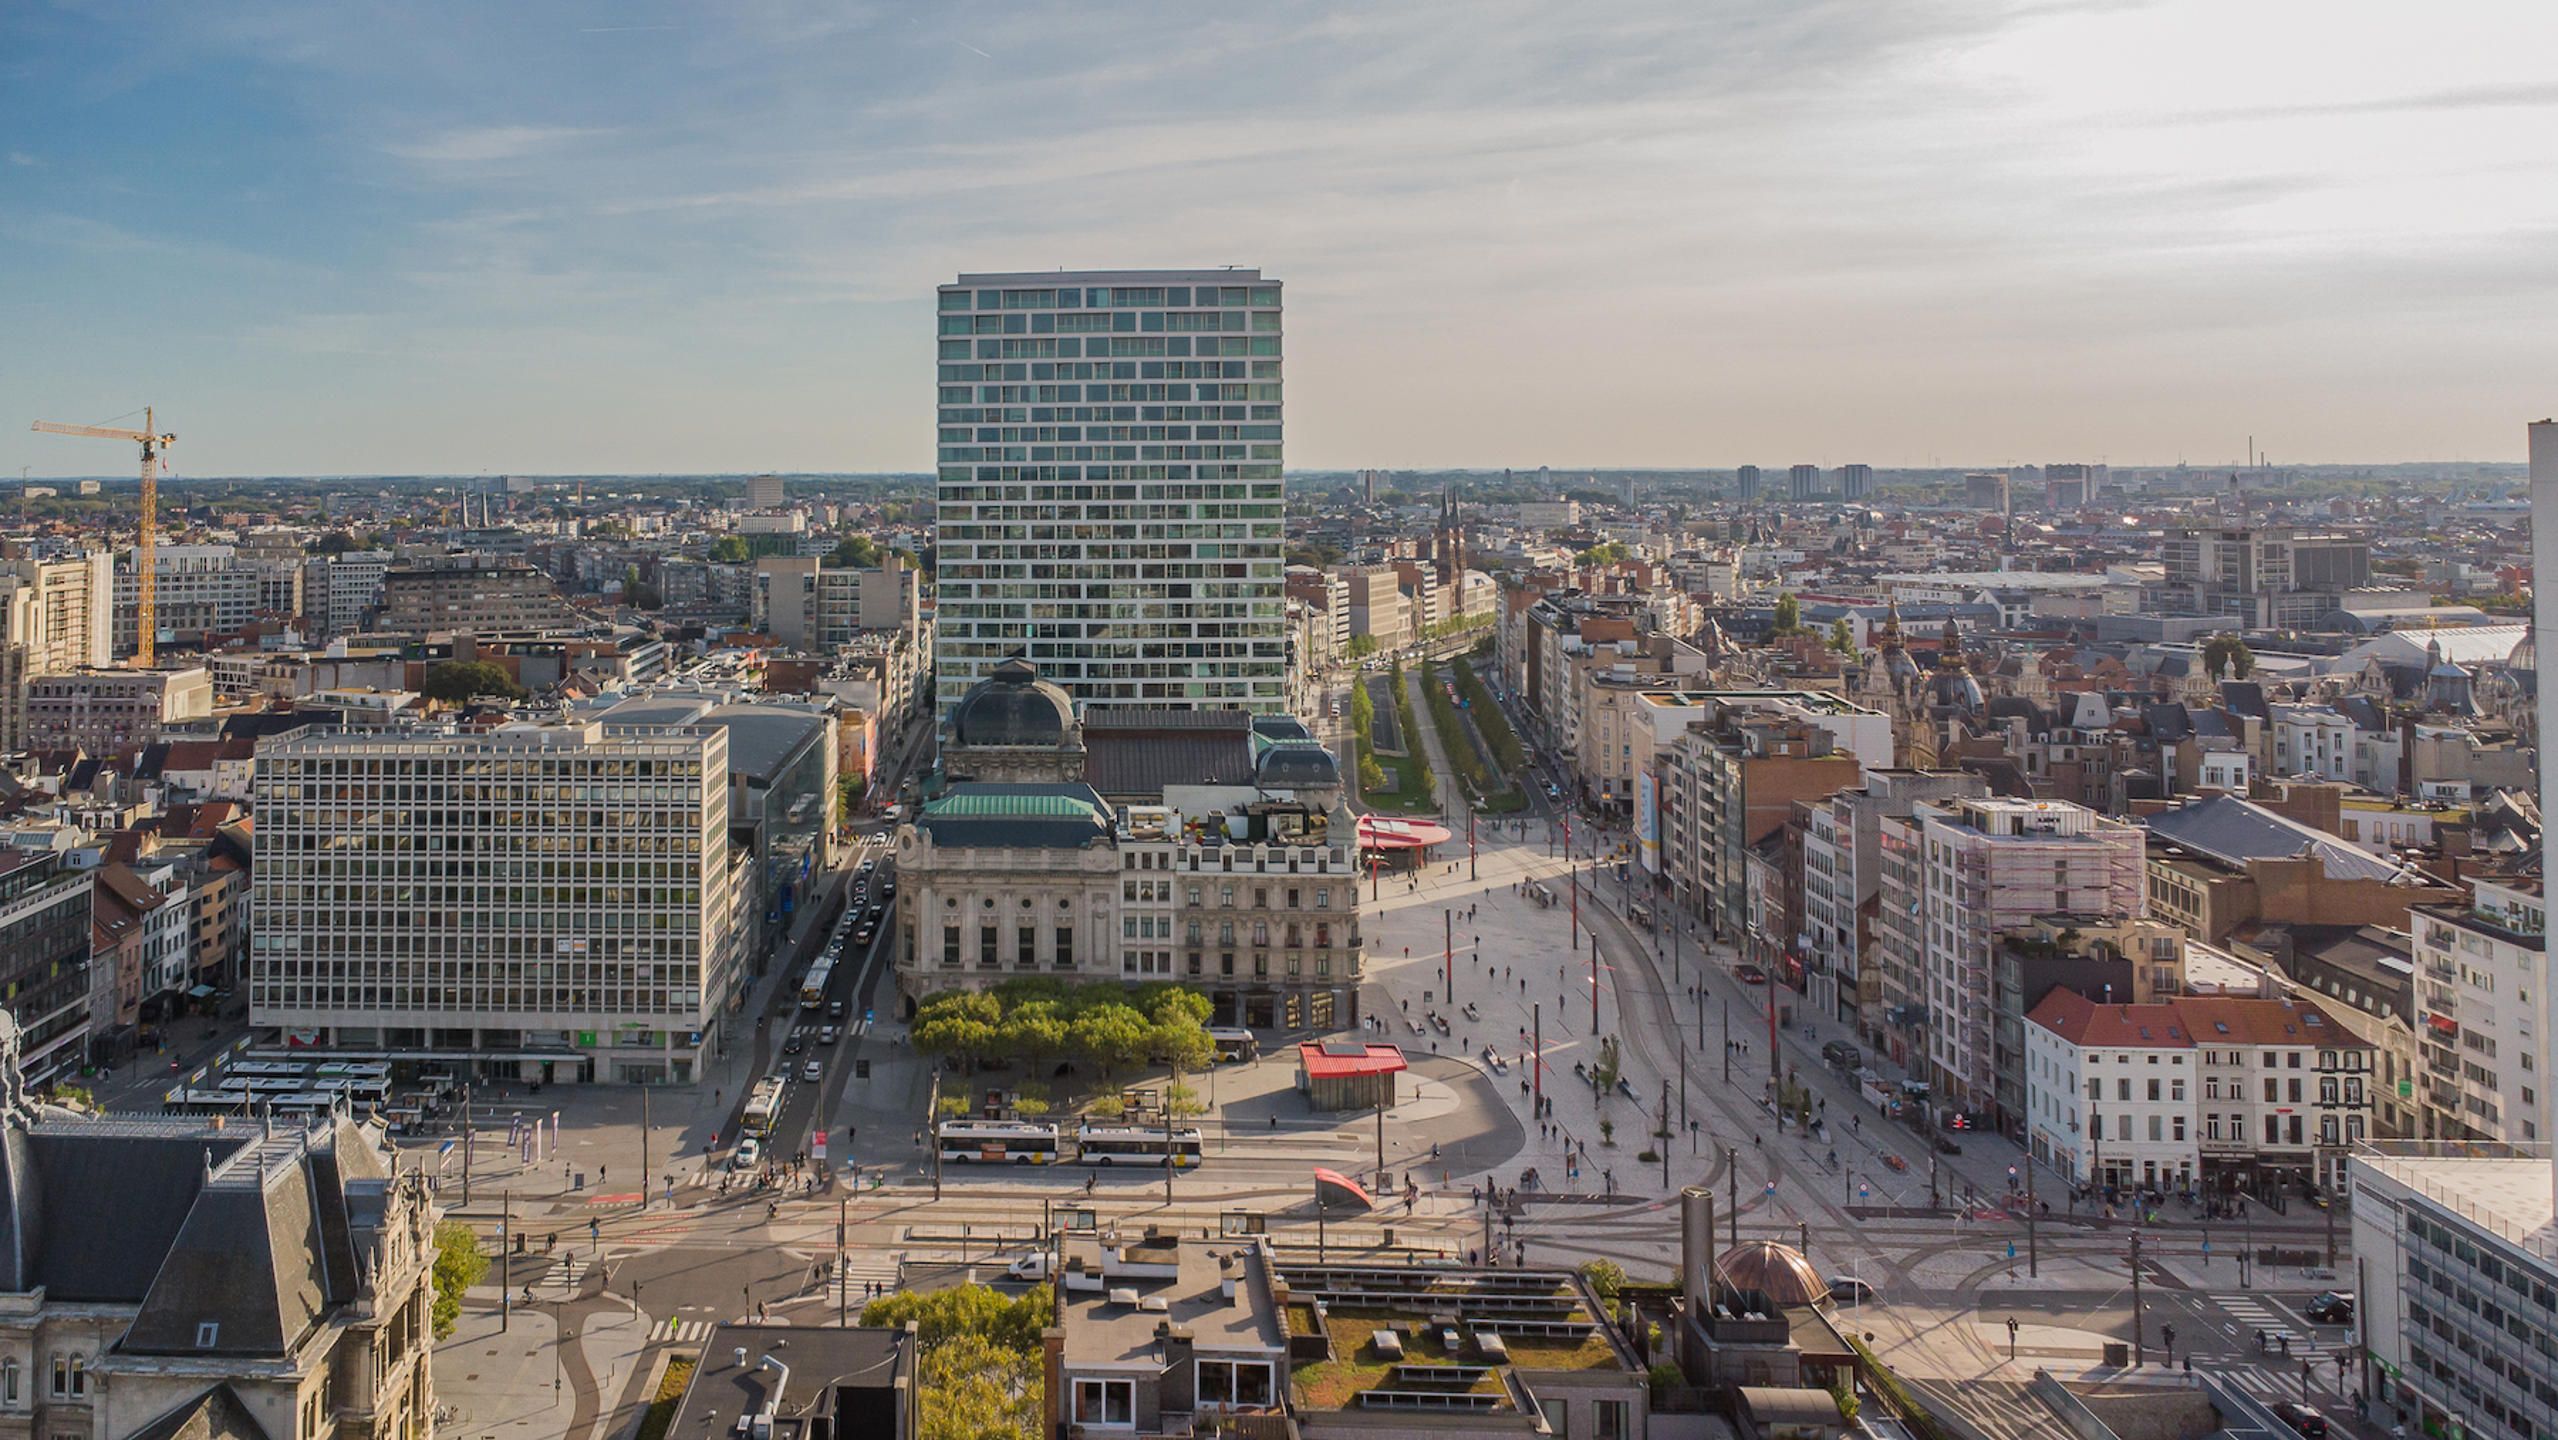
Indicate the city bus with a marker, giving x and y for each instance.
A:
(997, 1142)
(1233, 1043)
(763, 1106)
(1137, 1145)
(812, 987)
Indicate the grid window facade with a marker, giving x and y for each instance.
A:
(1110, 497)
(562, 879)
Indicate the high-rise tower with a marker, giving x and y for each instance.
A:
(1111, 505)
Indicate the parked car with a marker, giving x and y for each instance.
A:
(1752, 975)
(1033, 1266)
(749, 1154)
(2302, 1419)
(1848, 1290)
(1843, 1055)
(2333, 1307)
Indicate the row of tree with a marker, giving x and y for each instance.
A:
(1102, 1024)
(1490, 722)
(1478, 776)
(1425, 785)
(1363, 729)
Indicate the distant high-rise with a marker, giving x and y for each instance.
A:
(1803, 482)
(1745, 483)
(764, 492)
(1986, 490)
(1368, 485)
(1110, 493)
(2544, 455)
(2068, 485)
(1855, 482)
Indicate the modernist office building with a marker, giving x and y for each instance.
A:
(1110, 503)
(545, 901)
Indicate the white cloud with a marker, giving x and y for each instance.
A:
(487, 144)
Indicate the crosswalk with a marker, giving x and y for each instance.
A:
(676, 1330)
(2253, 1315)
(2272, 1384)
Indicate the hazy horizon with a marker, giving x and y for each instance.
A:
(650, 240)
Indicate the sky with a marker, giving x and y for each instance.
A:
(375, 238)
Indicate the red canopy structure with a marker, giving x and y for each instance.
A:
(1388, 832)
(1334, 1190)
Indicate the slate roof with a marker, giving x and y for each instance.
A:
(250, 1233)
(1138, 750)
(2234, 831)
(216, 1414)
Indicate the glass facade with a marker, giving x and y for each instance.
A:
(1111, 506)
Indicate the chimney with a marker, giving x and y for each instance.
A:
(1696, 1244)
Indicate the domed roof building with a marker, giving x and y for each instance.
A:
(1014, 727)
(1297, 766)
(1776, 1271)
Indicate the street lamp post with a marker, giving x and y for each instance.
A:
(1732, 1178)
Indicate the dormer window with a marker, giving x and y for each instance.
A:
(208, 1333)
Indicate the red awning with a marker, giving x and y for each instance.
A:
(1334, 1188)
(1384, 832)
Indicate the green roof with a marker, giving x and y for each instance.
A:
(978, 802)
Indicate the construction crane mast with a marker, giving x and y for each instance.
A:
(146, 620)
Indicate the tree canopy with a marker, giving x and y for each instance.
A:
(730, 550)
(1607, 553)
(1789, 614)
(2228, 655)
(980, 1368)
(856, 552)
(451, 682)
(1102, 1024)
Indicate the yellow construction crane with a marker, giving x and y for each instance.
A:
(146, 626)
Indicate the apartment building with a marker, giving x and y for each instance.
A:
(45, 904)
(2231, 1095)
(2459, 1245)
(341, 592)
(103, 711)
(1111, 506)
(1724, 786)
(1326, 596)
(2262, 576)
(1955, 874)
(469, 595)
(807, 604)
(2481, 988)
(1376, 606)
(548, 902)
(202, 592)
(73, 604)
(1842, 876)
